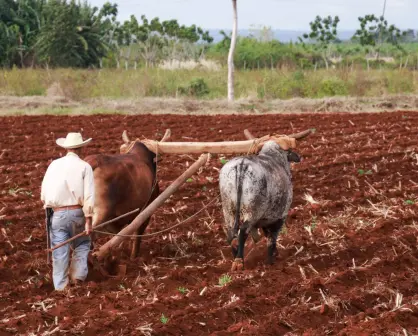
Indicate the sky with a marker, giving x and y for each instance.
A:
(278, 14)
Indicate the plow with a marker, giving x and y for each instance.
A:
(102, 259)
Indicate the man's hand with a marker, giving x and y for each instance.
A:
(88, 225)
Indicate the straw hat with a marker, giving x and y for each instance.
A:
(73, 140)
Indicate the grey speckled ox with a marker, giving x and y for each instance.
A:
(256, 192)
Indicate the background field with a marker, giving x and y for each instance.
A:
(207, 84)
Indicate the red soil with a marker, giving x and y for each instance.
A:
(341, 279)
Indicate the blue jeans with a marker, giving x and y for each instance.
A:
(66, 224)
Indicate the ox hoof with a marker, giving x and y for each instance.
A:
(237, 265)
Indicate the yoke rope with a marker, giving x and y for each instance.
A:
(165, 230)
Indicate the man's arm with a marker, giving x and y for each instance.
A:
(88, 205)
(44, 184)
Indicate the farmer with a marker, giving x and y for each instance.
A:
(68, 190)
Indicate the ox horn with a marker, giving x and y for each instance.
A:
(167, 135)
(302, 135)
(125, 137)
(248, 135)
(297, 136)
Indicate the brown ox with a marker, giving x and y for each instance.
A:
(124, 182)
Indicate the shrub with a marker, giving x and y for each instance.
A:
(197, 87)
(332, 87)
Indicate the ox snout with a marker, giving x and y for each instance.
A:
(293, 157)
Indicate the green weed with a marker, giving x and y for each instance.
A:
(164, 319)
(224, 280)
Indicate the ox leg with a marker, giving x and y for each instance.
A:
(238, 263)
(137, 240)
(272, 233)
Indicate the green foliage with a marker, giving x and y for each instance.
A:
(164, 319)
(362, 172)
(224, 280)
(332, 87)
(182, 290)
(251, 53)
(72, 35)
(323, 33)
(65, 33)
(197, 87)
(409, 202)
(79, 84)
(375, 30)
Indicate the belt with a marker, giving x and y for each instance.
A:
(69, 207)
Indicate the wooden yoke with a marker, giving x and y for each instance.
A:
(250, 146)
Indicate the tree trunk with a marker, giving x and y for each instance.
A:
(231, 95)
(406, 62)
(326, 61)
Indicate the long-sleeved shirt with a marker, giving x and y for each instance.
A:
(69, 181)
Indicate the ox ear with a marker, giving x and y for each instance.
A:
(125, 137)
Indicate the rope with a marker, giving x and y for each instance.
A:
(254, 146)
(162, 231)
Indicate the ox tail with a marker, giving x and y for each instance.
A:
(240, 172)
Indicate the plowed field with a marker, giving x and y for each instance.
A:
(347, 265)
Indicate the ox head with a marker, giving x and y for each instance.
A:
(292, 156)
(286, 143)
(128, 144)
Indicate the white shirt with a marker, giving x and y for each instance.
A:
(69, 181)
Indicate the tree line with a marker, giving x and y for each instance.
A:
(61, 33)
